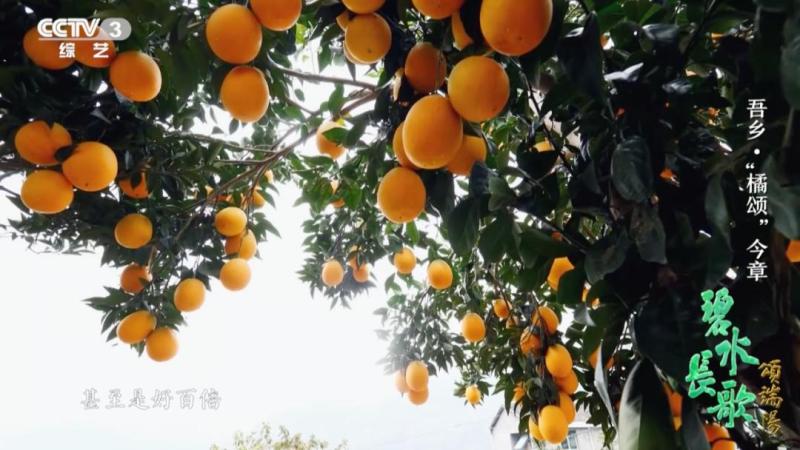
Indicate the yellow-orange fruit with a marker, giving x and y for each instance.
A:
(418, 397)
(37, 143)
(230, 221)
(558, 361)
(360, 273)
(46, 192)
(425, 68)
(277, 15)
(677, 422)
(135, 327)
(189, 295)
(675, 400)
(440, 275)
(515, 27)
(417, 376)
(400, 382)
(545, 317)
(243, 245)
(99, 53)
(793, 251)
(136, 76)
(438, 9)
(399, 149)
(432, 133)
(405, 261)
(234, 34)
(139, 191)
(363, 6)
(337, 203)
(667, 174)
(501, 308)
(552, 424)
(44, 53)
(568, 384)
(567, 406)
(519, 393)
(368, 38)
(332, 273)
(529, 342)
(245, 94)
(91, 167)
(133, 231)
(473, 149)
(235, 274)
(560, 267)
(533, 429)
(719, 437)
(343, 20)
(134, 278)
(325, 145)
(162, 344)
(478, 88)
(546, 146)
(472, 327)
(473, 395)
(401, 195)
(461, 38)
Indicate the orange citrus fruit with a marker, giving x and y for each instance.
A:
(136, 76)
(235, 274)
(478, 88)
(135, 327)
(399, 150)
(545, 317)
(46, 192)
(332, 273)
(37, 143)
(529, 342)
(134, 277)
(501, 308)
(245, 94)
(277, 15)
(438, 9)
(432, 133)
(133, 231)
(360, 273)
(553, 424)
(675, 400)
(417, 376)
(533, 429)
(243, 245)
(368, 38)
(230, 221)
(189, 295)
(363, 6)
(325, 145)
(568, 384)
(472, 394)
(558, 361)
(91, 167)
(519, 393)
(405, 261)
(719, 437)
(139, 191)
(162, 344)
(560, 267)
(400, 382)
(515, 27)
(567, 406)
(44, 53)
(98, 53)
(401, 195)
(418, 397)
(793, 251)
(473, 149)
(234, 34)
(440, 275)
(425, 67)
(461, 38)
(472, 327)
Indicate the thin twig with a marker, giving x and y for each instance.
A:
(319, 78)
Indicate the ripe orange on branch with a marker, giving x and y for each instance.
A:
(368, 38)
(136, 76)
(460, 36)
(418, 397)
(44, 53)
(558, 361)
(401, 195)
(472, 327)
(363, 6)
(277, 15)
(134, 278)
(136, 326)
(438, 9)
(37, 142)
(190, 294)
(432, 133)
(332, 273)
(90, 53)
(133, 231)
(553, 424)
(162, 344)
(234, 34)
(440, 275)
(405, 261)
(46, 192)
(243, 245)
(425, 67)
(478, 88)
(473, 149)
(230, 221)
(417, 376)
(515, 27)
(472, 394)
(557, 270)
(139, 191)
(235, 274)
(325, 145)
(501, 308)
(245, 94)
(546, 318)
(399, 149)
(92, 166)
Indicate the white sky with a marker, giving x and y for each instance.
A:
(274, 354)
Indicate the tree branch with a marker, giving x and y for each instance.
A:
(312, 77)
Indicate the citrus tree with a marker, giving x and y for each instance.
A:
(571, 174)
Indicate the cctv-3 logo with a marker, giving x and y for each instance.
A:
(79, 29)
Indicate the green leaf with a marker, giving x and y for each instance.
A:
(534, 243)
(494, 237)
(631, 171)
(570, 287)
(337, 135)
(692, 431)
(648, 233)
(580, 53)
(645, 422)
(790, 68)
(500, 194)
(600, 381)
(607, 255)
(462, 225)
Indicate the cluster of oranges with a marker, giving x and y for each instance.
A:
(234, 34)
